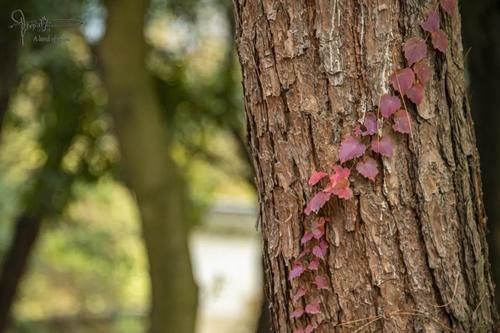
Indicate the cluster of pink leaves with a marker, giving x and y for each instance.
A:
(308, 265)
(409, 85)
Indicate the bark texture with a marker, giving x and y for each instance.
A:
(149, 170)
(408, 253)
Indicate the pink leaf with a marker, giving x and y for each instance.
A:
(416, 94)
(415, 50)
(297, 313)
(383, 146)
(423, 72)
(323, 245)
(309, 329)
(316, 177)
(314, 264)
(440, 40)
(317, 202)
(388, 105)
(296, 271)
(402, 122)
(368, 168)
(313, 307)
(350, 149)
(321, 282)
(299, 294)
(320, 250)
(306, 237)
(370, 124)
(431, 23)
(402, 80)
(339, 183)
(449, 6)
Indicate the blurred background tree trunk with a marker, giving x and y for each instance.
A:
(414, 242)
(150, 172)
(481, 32)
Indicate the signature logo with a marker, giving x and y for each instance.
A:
(41, 25)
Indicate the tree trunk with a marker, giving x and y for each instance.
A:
(481, 38)
(149, 171)
(408, 252)
(15, 264)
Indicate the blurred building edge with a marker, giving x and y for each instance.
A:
(226, 252)
(231, 216)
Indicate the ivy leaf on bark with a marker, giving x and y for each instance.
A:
(402, 80)
(368, 168)
(449, 6)
(321, 282)
(383, 146)
(313, 307)
(298, 294)
(370, 124)
(431, 23)
(351, 148)
(415, 50)
(388, 105)
(402, 122)
(416, 94)
(440, 40)
(296, 271)
(316, 177)
(306, 237)
(317, 202)
(339, 183)
(297, 313)
(423, 71)
(313, 265)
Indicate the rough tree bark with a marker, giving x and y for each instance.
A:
(409, 251)
(150, 172)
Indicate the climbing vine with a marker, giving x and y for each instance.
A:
(361, 150)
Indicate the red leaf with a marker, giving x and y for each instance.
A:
(388, 105)
(350, 149)
(383, 146)
(449, 6)
(339, 183)
(402, 122)
(317, 202)
(321, 282)
(318, 252)
(297, 313)
(415, 50)
(370, 124)
(313, 265)
(416, 94)
(299, 294)
(368, 168)
(296, 271)
(316, 177)
(402, 80)
(423, 71)
(306, 237)
(431, 23)
(313, 307)
(440, 40)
